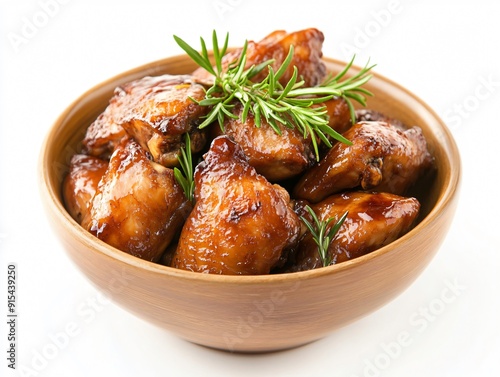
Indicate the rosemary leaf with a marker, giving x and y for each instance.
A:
(184, 175)
(321, 235)
(290, 106)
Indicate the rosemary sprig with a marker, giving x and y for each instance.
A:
(185, 177)
(289, 105)
(321, 235)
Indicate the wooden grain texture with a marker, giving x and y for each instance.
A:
(254, 313)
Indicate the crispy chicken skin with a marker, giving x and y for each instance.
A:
(138, 206)
(307, 44)
(80, 184)
(156, 112)
(382, 158)
(276, 157)
(374, 220)
(241, 223)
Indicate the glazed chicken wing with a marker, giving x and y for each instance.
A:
(276, 157)
(307, 44)
(374, 220)
(161, 111)
(382, 158)
(80, 184)
(138, 206)
(156, 112)
(240, 224)
(279, 157)
(104, 134)
(339, 116)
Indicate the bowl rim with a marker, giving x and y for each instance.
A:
(451, 186)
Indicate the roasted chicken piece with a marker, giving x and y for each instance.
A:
(104, 134)
(276, 157)
(161, 111)
(156, 112)
(279, 157)
(382, 158)
(138, 207)
(80, 184)
(339, 116)
(240, 224)
(373, 220)
(307, 56)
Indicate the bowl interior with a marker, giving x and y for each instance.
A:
(195, 306)
(389, 98)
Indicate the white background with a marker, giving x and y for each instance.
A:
(447, 54)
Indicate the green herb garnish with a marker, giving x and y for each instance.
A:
(321, 235)
(185, 177)
(290, 105)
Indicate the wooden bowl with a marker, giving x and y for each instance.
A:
(254, 313)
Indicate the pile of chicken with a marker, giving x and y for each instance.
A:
(251, 184)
